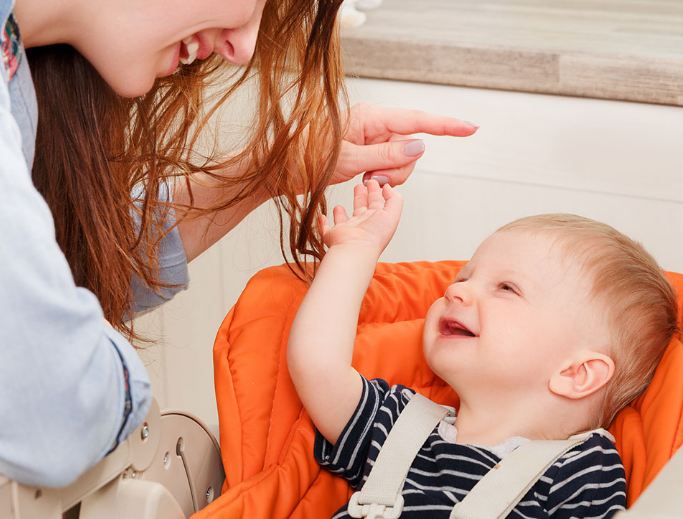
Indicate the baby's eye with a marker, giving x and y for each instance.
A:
(508, 287)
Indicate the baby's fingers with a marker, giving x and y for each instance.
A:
(322, 223)
(375, 198)
(360, 199)
(393, 201)
(339, 215)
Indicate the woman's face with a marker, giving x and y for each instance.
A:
(131, 43)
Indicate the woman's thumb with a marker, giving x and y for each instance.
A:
(387, 155)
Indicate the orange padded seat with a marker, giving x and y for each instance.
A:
(267, 439)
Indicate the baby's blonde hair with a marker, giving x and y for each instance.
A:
(640, 304)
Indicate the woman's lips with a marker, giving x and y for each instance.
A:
(181, 53)
(194, 47)
(205, 49)
(175, 60)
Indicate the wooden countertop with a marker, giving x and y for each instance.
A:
(611, 49)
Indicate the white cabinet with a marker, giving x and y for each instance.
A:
(618, 162)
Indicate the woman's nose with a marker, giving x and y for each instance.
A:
(458, 292)
(237, 45)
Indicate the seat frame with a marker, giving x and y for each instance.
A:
(170, 467)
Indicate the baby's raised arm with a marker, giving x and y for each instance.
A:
(323, 333)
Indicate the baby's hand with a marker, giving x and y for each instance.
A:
(376, 212)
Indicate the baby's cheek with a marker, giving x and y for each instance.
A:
(430, 325)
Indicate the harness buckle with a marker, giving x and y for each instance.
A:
(359, 510)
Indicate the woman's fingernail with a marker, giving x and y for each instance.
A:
(414, 148)
(473, 125)
(381, 180)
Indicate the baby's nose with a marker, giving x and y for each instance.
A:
(458, 292)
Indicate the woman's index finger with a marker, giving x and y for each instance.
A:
(407, 122)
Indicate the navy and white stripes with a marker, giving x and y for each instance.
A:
(587, 482)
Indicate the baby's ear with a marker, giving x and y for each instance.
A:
(582, 375)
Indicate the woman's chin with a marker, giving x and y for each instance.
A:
(133, 87)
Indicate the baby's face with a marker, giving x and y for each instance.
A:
(514, 313)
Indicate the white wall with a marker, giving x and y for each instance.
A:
(618, 162)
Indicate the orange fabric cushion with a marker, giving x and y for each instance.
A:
(267, 439)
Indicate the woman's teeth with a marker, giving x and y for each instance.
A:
(191, 47)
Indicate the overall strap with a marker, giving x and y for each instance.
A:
(380, 497)
(499, 491)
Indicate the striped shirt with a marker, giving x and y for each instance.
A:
(586, 482)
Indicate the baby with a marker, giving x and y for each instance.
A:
(555, 324)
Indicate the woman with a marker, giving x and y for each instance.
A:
(106, 199)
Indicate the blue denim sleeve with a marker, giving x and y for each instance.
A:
(172, 261)
(70, 386)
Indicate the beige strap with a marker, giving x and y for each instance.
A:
(381, 496)
(499, 491)
(494, 496)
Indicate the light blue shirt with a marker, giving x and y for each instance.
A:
(64, 399)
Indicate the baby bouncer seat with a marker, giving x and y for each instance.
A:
(267, 439)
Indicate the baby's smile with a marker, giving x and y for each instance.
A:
(452, 328)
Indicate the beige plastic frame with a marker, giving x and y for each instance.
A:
(169, 468)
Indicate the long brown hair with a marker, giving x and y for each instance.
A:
(94, 148)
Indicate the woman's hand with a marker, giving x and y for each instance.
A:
(378, 141)
(376, 213)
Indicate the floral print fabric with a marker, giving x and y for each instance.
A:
(10, 45)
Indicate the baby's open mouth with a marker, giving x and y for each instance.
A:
(452, 328)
